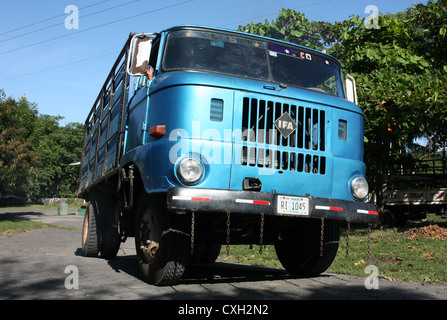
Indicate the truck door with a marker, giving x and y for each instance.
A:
(141, 66)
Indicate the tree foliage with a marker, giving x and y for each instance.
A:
(400, 69)
(402, 78)
(35, 152)
(17, 160)
(294, 27)
(57, 147)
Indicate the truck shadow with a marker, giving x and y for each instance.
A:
(224, 272)
(230, 281)
(217, 272)
(223, 280)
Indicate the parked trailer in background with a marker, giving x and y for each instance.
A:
(413, 191)
(202, 137)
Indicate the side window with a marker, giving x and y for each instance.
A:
(154, 53)
(143, 81)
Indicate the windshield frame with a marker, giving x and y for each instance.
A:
(270, 45)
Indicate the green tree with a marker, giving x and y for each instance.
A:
(401, 73)
(57, 147)
(428, 28)
(35, 152)
(402, 81)
(17, 160)
(294, 27)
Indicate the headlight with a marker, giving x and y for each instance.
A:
(190, 171)
(359, 188)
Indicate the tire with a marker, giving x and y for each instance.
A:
(99, 232)
(160, 242)
(211, 253)
(89, 238)
(110, 236)
(299, 251)
(394, 218)
(388, 218)
(205, 253)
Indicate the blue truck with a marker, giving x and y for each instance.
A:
(202, 137)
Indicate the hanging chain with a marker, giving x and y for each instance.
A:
(192, 231)
(347, 237)
(228, 233)
(322, 237)
(261, 234)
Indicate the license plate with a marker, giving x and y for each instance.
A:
(293, 205)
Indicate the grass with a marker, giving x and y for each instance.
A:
(397, 255)
(250, 255)
(73, 204)
(404, 254)
(12, 227)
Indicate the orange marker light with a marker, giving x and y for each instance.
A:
(157, 131)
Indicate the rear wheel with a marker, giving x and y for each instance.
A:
(100, 231)
(300, 251)
(160, 242)
(90, 239)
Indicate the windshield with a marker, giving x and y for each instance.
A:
(246, 57)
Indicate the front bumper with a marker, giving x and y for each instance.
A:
(250, 202)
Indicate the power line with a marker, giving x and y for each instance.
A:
(59, 66)
(106, 54)
(52, 18)
(95, 27)
(58, 24)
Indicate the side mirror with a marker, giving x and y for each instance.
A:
(139, 54)
(351, 89)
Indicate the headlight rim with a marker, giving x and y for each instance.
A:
(181, 177)
(354, 193)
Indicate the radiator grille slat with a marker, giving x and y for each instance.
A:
(294, 153)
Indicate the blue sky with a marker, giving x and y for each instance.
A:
(62, 70)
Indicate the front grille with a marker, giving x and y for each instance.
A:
(265, 147)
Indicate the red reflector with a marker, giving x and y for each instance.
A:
(327, 208)
(375, 213)
(157, 131)
(249, 201)
(200, 199)
(265, 203)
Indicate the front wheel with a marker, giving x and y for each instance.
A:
(300, 251)
(160, 242)
(205, 253)
(111, 238)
